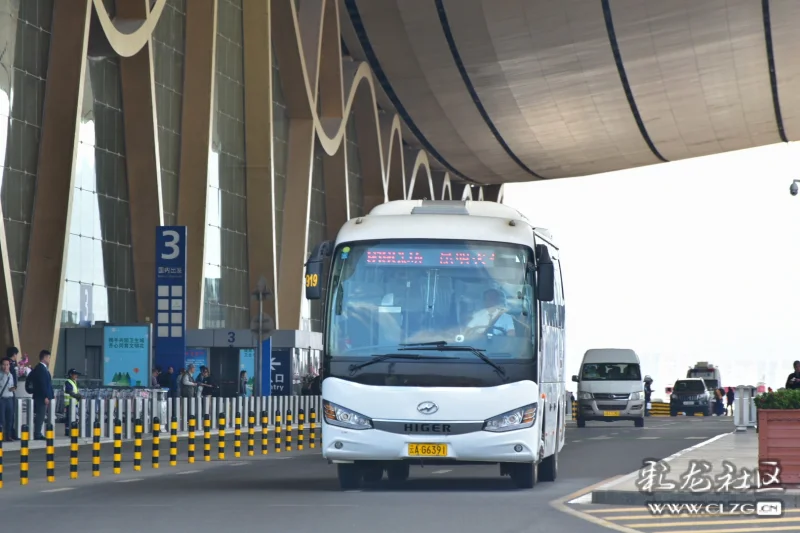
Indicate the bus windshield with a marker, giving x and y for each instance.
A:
(611, 372)
(387, 293)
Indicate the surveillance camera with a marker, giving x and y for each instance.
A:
(793, 189)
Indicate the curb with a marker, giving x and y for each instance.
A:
(790, 499)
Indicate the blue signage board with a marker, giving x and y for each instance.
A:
(281, 363)
(170, 312)
(247, 363)
(266, 367)
(126, 356)
(195, 356)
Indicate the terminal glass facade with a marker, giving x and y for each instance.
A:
(227, 286)
(99, 274)
(25, 38)
(168, 60)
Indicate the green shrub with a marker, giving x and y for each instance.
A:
(782, 399)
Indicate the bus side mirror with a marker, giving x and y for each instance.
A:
(575, 379)
(314, 268)
(546, 278)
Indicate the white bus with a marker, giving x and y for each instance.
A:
(444, 342)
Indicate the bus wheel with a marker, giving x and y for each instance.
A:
(373, 473)
(581, 423)
(398, 471)
(523, 475)
(548, 468)
(349, 476)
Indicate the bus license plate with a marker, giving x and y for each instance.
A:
(427, 450)
(610, 413)
(688, 403)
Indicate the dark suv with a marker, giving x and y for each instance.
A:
(690, 396)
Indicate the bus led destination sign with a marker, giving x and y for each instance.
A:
(430, 258)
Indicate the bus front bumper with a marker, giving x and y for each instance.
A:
(347, 445)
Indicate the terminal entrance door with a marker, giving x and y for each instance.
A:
(225, 371)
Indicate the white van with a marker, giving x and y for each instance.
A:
(610, 387)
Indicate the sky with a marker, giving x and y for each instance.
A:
(695, 260)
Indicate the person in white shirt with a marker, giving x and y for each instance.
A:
(7, 402)
(493, 317)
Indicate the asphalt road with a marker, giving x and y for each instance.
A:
(299, 491)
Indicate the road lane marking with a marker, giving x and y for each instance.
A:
(315, 505)
(601, 437)
(62, 489)
(240, 463)
(694, 438)
(648, 438)
(584, 499)
(187, 472)
(560, 505)
(622, 479)
(441, 472)
(128, 480)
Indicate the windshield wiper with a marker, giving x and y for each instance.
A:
(442, 346)
(378, 358)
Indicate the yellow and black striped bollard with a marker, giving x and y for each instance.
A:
(206, 437)
(237, 435)
(264, 433)
(173, 441)
(24, 454)
(50, 453)
(96, 449)
(156, 442)
(301, 429)
(117, 446)
(137, 445)
(221, 437)
(251, 433)
(289, 430)
(190, 445)
(73, 451)
(1, 457)
(277, 432)
(313, 437)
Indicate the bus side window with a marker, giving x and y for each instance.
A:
(559, 299)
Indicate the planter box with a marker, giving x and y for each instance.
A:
(778, 437)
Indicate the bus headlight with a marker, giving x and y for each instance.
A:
(336, 415)
(636, 396)
(521, 418)
(585, 396)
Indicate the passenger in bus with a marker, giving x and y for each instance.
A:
(493, 317)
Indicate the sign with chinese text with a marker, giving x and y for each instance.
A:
(281, 370)
(126, 356)
(195, 356)
(170, 322)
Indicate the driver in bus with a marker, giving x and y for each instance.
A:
(493, 317)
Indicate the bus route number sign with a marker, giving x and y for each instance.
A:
(313, 275)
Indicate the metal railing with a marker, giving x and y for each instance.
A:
(127, 410)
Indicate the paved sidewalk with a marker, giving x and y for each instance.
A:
(670, 480)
